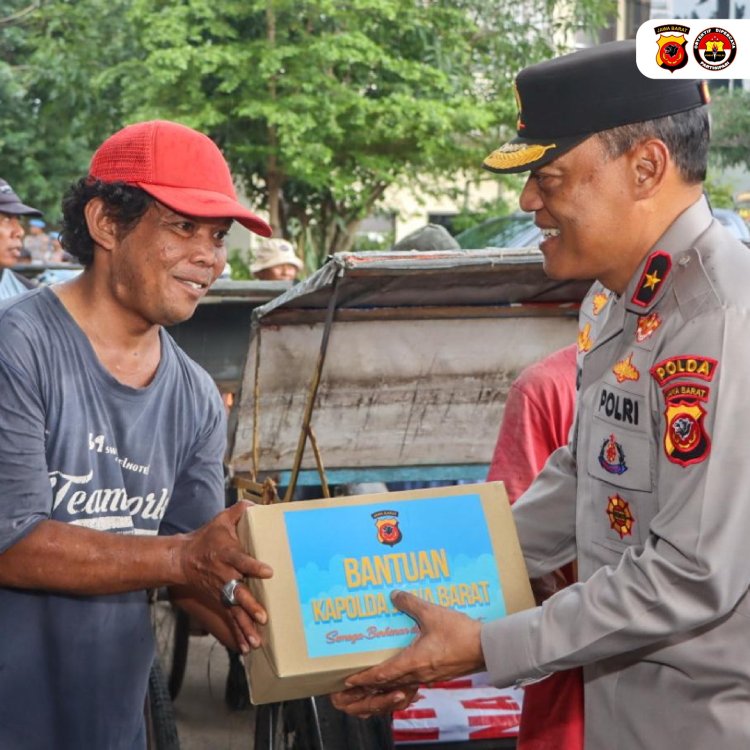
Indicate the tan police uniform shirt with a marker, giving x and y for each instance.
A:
(652, 497)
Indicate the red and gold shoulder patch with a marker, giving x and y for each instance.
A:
(599, 302)
(621, 518)
(690, 390)
(647, 324)
(685, 440)
(684, 366)
(626, 370)
(584, 338)
(653, 277)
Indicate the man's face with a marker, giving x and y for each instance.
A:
(581, 202)
(282, 272)
(161, 269)
(11, 240)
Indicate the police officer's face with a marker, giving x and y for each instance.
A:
(11, 240)
(582, 202)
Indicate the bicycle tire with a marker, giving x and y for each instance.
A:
(338, 729)
(236, 691)
(171, 627)
(179, 655)
(314, 724)
(161, 725)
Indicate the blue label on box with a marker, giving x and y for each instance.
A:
(348, 559)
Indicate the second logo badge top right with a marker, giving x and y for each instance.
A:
(714, 48)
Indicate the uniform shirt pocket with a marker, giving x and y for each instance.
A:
(620, 457)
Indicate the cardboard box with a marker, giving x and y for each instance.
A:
(336, 561)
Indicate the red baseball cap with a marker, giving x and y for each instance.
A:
(180, 167)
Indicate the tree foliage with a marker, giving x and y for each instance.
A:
(56, 103)
(730, 124)
(319, 106)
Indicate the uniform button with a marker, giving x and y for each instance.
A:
(684, 260)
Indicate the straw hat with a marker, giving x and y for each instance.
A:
(274, 252)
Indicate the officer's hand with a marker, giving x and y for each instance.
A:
(448, 646)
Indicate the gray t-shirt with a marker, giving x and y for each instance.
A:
(79, 447)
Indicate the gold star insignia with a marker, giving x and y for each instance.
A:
(652, 279)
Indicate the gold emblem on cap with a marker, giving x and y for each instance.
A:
(519, 121)
(515, 155)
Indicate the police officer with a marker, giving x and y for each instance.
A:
(651, 494)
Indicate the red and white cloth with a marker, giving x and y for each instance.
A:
(460, 710)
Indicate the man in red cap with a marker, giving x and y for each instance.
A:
(111, 448)
(650, 495)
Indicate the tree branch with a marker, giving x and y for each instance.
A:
(21, 14)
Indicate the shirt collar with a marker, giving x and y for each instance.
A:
(648, 284)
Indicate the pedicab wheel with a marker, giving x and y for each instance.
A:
(314, 724)
(236, 691)
(172, 635)
(161, 725)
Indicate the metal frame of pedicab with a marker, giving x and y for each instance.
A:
(387, 367)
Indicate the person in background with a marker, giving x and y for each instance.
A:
(537, 417)
(539, 412)
(275, 260)
(111, 448)
(37, 242)
(650, 494)
(12, 210)
(57, 253)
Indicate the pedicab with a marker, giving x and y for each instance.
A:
(382, 368)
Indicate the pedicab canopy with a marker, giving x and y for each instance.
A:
(394, 366)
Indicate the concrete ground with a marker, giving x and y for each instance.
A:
(203, 720)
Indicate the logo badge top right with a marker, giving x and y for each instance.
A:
(714, 48)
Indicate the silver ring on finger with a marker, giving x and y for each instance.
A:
(229, 593)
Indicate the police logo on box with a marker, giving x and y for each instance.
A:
(386, 522)
(672, 42)
(714, 48)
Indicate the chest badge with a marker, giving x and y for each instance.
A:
(599, 302)
(647, 324)
(620, 517)
(584, 338)
(612, 456)
(652, 279)
(626, 370)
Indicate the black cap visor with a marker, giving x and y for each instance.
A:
(18, 209)
(524, 154)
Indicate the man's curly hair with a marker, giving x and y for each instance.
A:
(123, 203)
